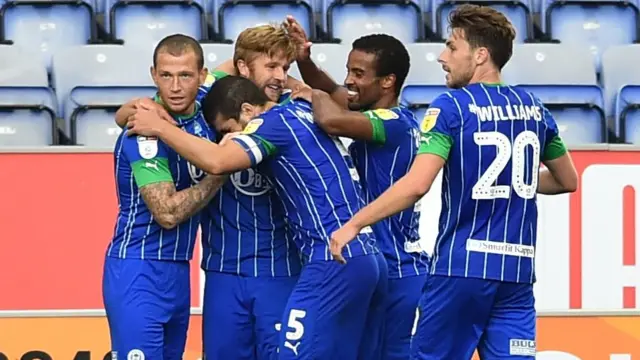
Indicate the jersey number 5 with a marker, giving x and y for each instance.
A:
(484, 188)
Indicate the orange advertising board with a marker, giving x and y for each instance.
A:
(586, 338)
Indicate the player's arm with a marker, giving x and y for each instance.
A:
(153, 177)
(337, 121)
(217, 159)
(315, 77)
(129, 109)
(208, 156)
(559, 175)
(312, 75)
(435, 145)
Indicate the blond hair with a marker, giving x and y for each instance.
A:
(270, 40)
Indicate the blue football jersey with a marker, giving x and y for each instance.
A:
(313, 175)
(141, 161)
(493, 138)
(243, 228)
(380, 163)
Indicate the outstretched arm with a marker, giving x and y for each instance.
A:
(208, 156)
(311, 73)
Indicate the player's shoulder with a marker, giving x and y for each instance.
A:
(447, 100)
(142, 147)
(214, 76)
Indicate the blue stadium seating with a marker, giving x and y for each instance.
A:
(92, 82)
(426, 79)
(349, 20)
(569, 89)
(27, 104)
(518, 12)
(598, 24)
(145, 22)
(43, 27)
(216, 54)
(564, 76)
(622, 89)
(332, 58)
(235, 16)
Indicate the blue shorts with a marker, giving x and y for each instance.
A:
(147, 304)
(372, 343)
(241, 315)
(327, 313)
(458, 315)
(401, 312)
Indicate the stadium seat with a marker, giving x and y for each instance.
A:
(27, 104)
(597, 24)
(518, 12)
(92, 82)
(43, 27)
(332, 58)
(235, 16)
(621, 80)
(216, 54)
(348, 20)
(569, 89)
(426, 79)
(145, 22)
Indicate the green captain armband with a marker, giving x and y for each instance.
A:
(435, 143)
(149, 171)
(554, 149)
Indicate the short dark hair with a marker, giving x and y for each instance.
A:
(178, 44)
(227, 96)
(392, 56)
(484, 26)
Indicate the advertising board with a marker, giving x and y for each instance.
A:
(58, 214)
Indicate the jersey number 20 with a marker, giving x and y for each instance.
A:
(484, 188)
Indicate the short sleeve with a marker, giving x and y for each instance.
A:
(261, 137)
(149, 158)
(388, 124)
(554, 147)
(438, 126)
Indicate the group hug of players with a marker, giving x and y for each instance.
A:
(310, 250)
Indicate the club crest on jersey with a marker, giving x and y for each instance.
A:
(148, 146)
(250, 182)
(429, 119)
(385, 114)
(252, 126)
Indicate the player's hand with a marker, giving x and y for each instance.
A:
(300, 37)
(228, 136)
(340, 239)
(145, 122)
(148, 104)
(302, 91)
